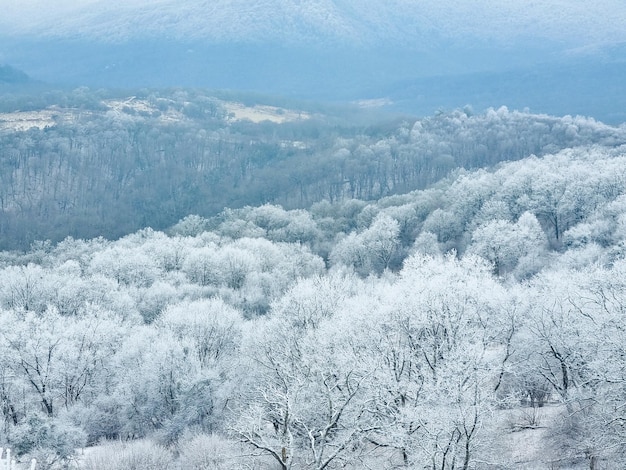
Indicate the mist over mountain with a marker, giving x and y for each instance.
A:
(365, 22)
(333, 50)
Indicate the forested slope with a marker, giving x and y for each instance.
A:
(86, 164)
(430, 328)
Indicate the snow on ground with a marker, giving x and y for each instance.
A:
(239, 111)
(523, 440)
(49, 117)
(24, 120)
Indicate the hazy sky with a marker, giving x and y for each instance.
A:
(576, 23)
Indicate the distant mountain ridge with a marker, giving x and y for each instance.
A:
(225, 21)
(421, 55)
(364, 22)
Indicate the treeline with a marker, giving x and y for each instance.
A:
(425, 329)
(99, 170)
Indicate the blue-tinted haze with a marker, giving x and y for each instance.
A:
(559, 57)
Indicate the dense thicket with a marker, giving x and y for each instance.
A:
(105, 169)
(427, 329)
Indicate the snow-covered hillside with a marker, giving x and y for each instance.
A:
(576, 23)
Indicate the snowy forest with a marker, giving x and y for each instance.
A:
(185, 288)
